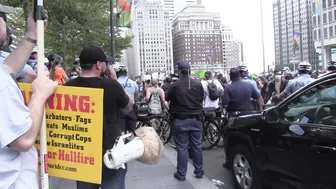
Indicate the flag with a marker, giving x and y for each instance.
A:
(123, 16)
(318, 7)
(296, 40)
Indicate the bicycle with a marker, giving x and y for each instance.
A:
(148, 120)
(211, 128)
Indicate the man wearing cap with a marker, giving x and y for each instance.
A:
(94, 64)
(20, 124)
(128, 120)
(237, 95)
(33, 62)
(186, 98)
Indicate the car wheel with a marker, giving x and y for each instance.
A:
(244, 169)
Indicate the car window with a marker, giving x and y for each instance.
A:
(316, 105)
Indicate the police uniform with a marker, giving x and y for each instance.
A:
(186, 97)
(238, 94)
(298, 83)
(252, 103)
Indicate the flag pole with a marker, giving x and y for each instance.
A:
(113, 53)
(324, 65)
(39, 16)
(262, 35)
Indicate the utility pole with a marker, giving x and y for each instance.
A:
(112, 32)
(262, 35)
(324, 65)
(301, 49)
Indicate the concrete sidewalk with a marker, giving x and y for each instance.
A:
(140, 176)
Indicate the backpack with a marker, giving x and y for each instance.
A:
(214, 93)
(154, 105)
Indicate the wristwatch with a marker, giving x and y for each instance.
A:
(34, 41)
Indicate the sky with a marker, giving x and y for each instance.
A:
(244, 18)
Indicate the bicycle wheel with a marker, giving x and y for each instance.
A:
(171, 142)
(164, 131)
(211, 135)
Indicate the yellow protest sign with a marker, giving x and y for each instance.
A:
(74, 121)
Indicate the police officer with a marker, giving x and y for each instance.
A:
(238, 94)
(128, 120)
(186, 97)
(299, 82)
(244, 77)
(331, 67)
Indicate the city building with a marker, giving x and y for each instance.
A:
(197, 39)
(328, 12)
(239, 52)
(232, 49)
(293, 32)
(152, 43)
(181, 4)
(169, 6)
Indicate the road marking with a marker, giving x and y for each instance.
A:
(203, 183)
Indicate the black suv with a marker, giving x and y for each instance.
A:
(291, 145)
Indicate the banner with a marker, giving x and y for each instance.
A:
(74, 121)
(318, 7)
(296, 39)
(123, 15)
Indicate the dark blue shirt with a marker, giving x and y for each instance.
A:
(237, 95)
(185, 101)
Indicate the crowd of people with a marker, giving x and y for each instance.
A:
(185, 98)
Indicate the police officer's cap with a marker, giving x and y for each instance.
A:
(234, 72)
(183, 65)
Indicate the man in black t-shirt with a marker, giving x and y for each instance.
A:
(94, 64)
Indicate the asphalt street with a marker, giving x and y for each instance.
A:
(213, 160)
(213, 167)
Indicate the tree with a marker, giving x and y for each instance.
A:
(74, 24)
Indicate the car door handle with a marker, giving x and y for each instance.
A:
(317, 147)
(318, 130)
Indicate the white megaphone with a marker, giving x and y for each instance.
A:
(122, 153)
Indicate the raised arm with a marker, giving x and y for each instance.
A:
(18, 58)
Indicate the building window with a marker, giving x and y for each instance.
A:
(319, 33)
(331, 31)
(325, 32)
(324, 18)
(329, 3)
(314, 7)
(315, 35)
(330, 16)
(324, 4)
